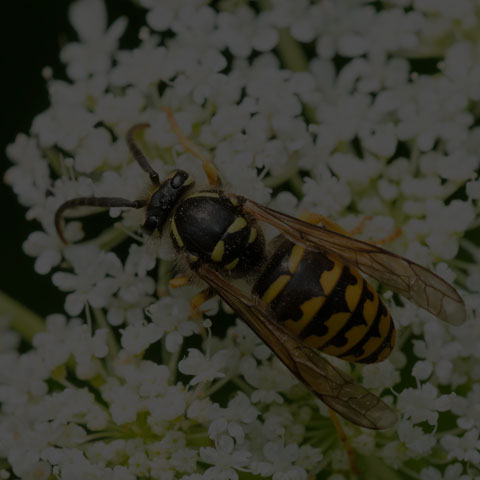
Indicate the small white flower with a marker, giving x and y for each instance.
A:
(225, 457)
(380, 375)
(232, 420)
(279, 459)
(202, 368)
(419, 442)
(423, 404)
(243, 30)
(137, 337)
(168, 407)
(90, 282)
(463, 448)
(170, 314)
(452, 472)
(45, 248)
(93, 54)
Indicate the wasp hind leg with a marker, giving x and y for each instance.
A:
(316, 218)
(188, 146)
(352, 459)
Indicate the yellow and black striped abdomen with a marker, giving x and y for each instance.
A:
(327, 304)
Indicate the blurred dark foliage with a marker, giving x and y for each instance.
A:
(33, 33)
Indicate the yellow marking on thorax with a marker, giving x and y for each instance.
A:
(275, 288)
(295, 258)
(309, 310)
(237, 225)
(218, 251)
(354, 292)
(188, 181)
(173, 228)
(253, 235)
(204, 194)
(232, 265)
(329, 278)
(373, 343)
(191, 257)
(334, 324)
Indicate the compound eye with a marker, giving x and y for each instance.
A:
(179, 179)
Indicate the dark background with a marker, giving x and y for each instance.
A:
(33, 32)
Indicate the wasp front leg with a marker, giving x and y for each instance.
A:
(188, 146)
(198, 300)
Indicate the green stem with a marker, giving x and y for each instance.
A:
(243, 385)
(54, 160)
(164, 275)
(291, 52)
(217, 385)
(381, 470)
(410, 473)
(277, 180)
(110, 238)
(22, 319)
(173, 366)
(296, 183)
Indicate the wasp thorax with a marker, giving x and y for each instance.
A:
(165, 198)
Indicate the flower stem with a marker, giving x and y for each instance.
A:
(22, 319)
(291, 52)
(110, 238)
(380, 468)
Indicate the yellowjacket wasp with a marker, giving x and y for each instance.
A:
(307, 294)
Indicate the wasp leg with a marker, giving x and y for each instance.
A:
(188, 146)
(344, 439)
(389, 238)
(138, 154)
(359, 228)
(198, 300)
(316, 218)
(180, 281)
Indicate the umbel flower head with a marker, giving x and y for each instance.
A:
(328, 106)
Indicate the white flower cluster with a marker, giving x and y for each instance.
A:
(340, 105)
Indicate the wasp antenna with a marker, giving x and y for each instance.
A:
(138, 154)
(91, 202)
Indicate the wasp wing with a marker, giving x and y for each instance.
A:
(340, 393)
(407, 278)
